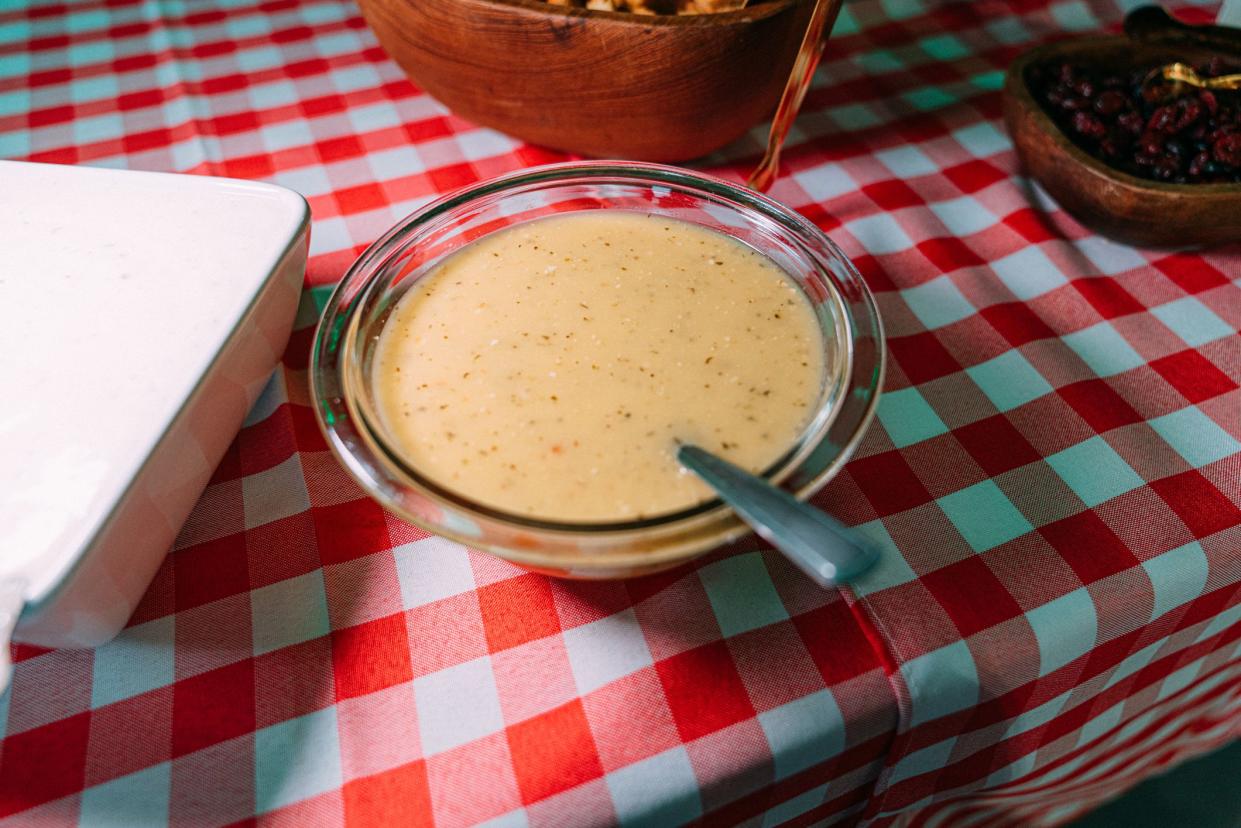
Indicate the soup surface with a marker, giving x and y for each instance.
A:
(549, 369)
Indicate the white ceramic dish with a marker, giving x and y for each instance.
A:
(143, 314)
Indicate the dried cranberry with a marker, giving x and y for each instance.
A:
(1151, 144)
(1131, 122)
(1113, 146)
(1194, 137)
(1187, 111)
(1227, 149)
(1109, 103)
(1166, 168)
(1089, 125)
(1162, 120)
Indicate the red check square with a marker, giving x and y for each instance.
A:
(1017, 322)
(553, 752)
(1100, 406)
(51, 77)
(835, 642)
(141, 141)
(50, 115)
(971, 595)
(429, 129)
(1200, 505)
(889, 482)
(43, 764)
(267, 443)
(205, 18)
(996, 445)
(338, 149)
(322, 105)
(1193, 375)
(296, 356)
(700, 707)
(250, 166)
(518, 610)
(872, 270)
(237, 122)
(922, 357)
(306, 431)
(451, 177)
(973, 176)
(949, 253)
(350, 530)
(212, 707)
(292, 34)
(222, 85)
(141, 99)
(371, 656)
(210, 571)
(1032, 225)
(282, 549)
(892, 194)
(1089, 546)
(397, 798)
(1107, 297)
(361, 198)
(1190, 272)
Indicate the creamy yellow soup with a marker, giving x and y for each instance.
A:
(550, 369)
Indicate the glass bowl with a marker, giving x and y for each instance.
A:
(345, 341)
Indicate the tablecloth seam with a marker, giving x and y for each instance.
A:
(881, 642)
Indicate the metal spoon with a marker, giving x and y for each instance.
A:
(1177, 75)
(821, 546)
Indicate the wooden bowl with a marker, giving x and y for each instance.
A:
(1130, 209)
(606, 84)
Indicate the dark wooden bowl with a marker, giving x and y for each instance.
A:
(653, 88)
(1116, 204)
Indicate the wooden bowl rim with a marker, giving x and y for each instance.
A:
(758, 11)
(1016, 85)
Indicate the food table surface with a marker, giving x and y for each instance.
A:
(1053, 476)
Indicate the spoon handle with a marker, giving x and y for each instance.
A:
(822, 19)
(821, 546)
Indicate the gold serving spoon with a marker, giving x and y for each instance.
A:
(822, 19)
(1181, 74)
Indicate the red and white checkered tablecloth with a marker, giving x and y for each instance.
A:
(1054, 475)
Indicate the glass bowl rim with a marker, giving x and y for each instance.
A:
(350, 293)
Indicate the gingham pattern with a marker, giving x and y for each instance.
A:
(1053, 474)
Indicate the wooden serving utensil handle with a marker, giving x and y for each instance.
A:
(822, 19)
(1153, 25)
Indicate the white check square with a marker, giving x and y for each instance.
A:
(606, 650)
(457, 705)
